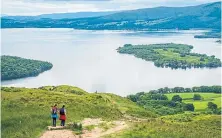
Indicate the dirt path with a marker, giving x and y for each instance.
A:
(97, 132)
(100, 128)
(59, 134)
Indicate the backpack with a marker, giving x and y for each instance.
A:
(62, 111)
(54, 110)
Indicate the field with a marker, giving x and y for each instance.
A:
(199, 105)
(171, 55)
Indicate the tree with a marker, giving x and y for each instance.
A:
(197, 97)
(166, 90)
(188, 90)
(182, 54)
(133, 98)
(202, 59)
(177, 98)
(189, 107)
(212, 106)
(158, 97)
(128, 45)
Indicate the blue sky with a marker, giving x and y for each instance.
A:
(36, 7)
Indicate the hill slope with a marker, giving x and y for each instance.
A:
(201, 16)
(26, 112)
(61, 15)
(207, 10)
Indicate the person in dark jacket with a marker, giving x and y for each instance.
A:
(54, 116)
(62, 115)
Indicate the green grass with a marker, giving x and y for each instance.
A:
(26, 112)
(199, 105)
(170, 55)
(90, 127)
(199, 126)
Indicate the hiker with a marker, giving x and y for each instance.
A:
(54, 115)
(62, 115)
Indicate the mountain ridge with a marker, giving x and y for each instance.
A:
(205, 16)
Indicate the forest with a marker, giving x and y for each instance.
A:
(13, 67)
(171, 55)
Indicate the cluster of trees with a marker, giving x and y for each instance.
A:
(197, 97)
(155, 53)
(160, 104)
(15, 67)
(204, 89)
(212, 107)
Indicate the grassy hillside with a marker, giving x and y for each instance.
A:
(199, 104)
(26, 112)
(188, 125)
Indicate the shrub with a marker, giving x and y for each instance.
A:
(197, 97)
(189, 107)
(212, 106)
(177, 98)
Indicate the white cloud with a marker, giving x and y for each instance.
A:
(35, 7)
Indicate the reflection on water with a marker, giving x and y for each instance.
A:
(88, 59)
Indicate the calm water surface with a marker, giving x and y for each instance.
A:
(88, 59)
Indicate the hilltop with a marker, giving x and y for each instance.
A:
(26, 112)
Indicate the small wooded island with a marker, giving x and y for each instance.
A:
(13, 67)
(171, 55)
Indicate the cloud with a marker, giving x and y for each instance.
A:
(36, 7)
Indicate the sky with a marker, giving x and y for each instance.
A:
(37, 7)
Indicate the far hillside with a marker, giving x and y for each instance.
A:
(205, 16)
(62, 15)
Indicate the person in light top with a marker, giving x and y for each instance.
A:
(54, 115)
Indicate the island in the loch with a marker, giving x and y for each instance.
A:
(13, 67)
(211, 34)
(171, 55)
(218, 41)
